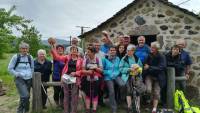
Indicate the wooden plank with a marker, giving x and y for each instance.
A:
(52, 83)
(170, 87)
(181, 78)
(37, 97)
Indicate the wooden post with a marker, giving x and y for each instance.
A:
(37, 96)
(170, 87)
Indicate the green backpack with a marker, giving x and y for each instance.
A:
(181, 104)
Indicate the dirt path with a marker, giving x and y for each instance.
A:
(8, 104)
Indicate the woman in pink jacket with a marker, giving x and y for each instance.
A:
(72, 69)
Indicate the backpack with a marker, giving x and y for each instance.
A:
(18, 60)
(181, 104)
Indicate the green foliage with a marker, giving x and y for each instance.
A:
(6, 77)
(8, 41)
(33, 38)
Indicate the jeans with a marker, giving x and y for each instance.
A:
(110, 85)
(23, 88)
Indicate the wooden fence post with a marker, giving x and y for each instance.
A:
(170, 87)
(37, 97)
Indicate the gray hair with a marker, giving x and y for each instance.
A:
(155, 44)
(130, 47)
(23, 45)
(141, 37)
(41, 51)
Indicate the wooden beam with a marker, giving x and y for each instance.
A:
(181, 78)
(52, 83)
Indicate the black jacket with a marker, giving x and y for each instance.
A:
(45, 69)
(175, 62)
(157, 67)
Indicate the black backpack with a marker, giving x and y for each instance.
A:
(18, 60)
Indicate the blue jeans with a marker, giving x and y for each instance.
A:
(23, 88)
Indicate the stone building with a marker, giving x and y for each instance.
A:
(157, 20)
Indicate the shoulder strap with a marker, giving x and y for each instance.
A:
(17, 61)
(97, 61)
(106, 56)
(29, 60)
(126, 59)
(136, 58)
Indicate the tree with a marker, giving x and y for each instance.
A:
(10, 21)
(33, 38)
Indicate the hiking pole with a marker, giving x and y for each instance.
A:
(90, 95)
(46, 94)
(83, 99)
(70, 87)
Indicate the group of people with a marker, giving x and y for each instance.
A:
(103, 69)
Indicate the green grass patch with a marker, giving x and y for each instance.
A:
(7, 79)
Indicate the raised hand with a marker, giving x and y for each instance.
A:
(52, 41)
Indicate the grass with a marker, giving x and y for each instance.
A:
(6, 77)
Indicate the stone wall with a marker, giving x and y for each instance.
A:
(149, 17)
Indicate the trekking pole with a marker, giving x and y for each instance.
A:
(91, 95)
(83, 99)
(46, 94)
(70, 96)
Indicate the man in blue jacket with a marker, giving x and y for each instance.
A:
(142, 50)
(185, 56)
(21, 66)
